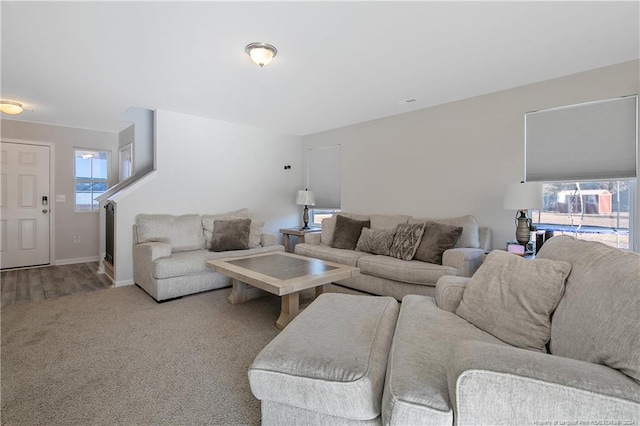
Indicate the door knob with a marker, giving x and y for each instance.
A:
(44, 210)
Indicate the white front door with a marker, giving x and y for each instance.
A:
(24, 212)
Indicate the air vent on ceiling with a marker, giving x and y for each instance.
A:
(407, 101)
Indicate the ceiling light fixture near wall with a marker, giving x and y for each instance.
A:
(261, 53)
(11, 107)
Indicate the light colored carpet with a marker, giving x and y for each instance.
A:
(117, 357)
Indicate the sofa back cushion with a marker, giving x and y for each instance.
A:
(598, 316)
(388, 221)
(469, 237)
(182, 232)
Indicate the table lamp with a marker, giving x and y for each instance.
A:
(522, 197)
(306, 199)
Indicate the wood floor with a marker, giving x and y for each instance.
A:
(31, 285)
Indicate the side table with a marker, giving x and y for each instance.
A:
(297, 232)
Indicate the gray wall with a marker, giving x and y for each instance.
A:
(143, 146)
(67, 223)
(126, 136)
(211, 166)
(456, 158)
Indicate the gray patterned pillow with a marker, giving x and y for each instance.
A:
(406, 241)
(376, 241)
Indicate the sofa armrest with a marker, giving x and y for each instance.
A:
(485, 237)
(496, 384)
(466, 260)
(151, 251)
(449, 289)
(267, 240)
(313, 238)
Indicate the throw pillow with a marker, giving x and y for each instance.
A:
(437, 238)
(513, 298)
(208, 219)
(232, 234)
(255, 234)
(406, 241)
(470, 229)
(376, 241)
(328, 229)
(347, 232)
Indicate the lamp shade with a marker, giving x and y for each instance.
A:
(306, 198)
(523, 196)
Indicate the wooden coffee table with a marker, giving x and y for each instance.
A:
(282, 274)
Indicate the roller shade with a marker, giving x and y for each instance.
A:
(324, 165)
(592, 141)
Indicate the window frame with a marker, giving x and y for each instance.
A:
(624, 129)
(323, 212)
(94, 206)
(575, 229)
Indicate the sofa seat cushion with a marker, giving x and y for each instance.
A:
(330, 254)
(193, 262)
(408, 271)
(416, 387)
(337, 368)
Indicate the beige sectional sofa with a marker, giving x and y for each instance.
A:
(365, 360)
(170, 252)
(390, 276)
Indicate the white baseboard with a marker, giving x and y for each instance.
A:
(123, 283)
(61, 262)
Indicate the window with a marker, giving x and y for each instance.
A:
(594, 211)
(317, 215)
(91, 177)
(585, 156)
(324, 179)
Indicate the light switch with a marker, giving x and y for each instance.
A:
(61, 198)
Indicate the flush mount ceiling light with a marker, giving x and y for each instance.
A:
(261, 53)
(11, 107)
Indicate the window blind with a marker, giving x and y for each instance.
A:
(592, 141)
(324, 165)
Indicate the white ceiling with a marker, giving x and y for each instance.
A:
(82, 64)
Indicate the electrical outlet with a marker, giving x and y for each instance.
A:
(76, 239)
